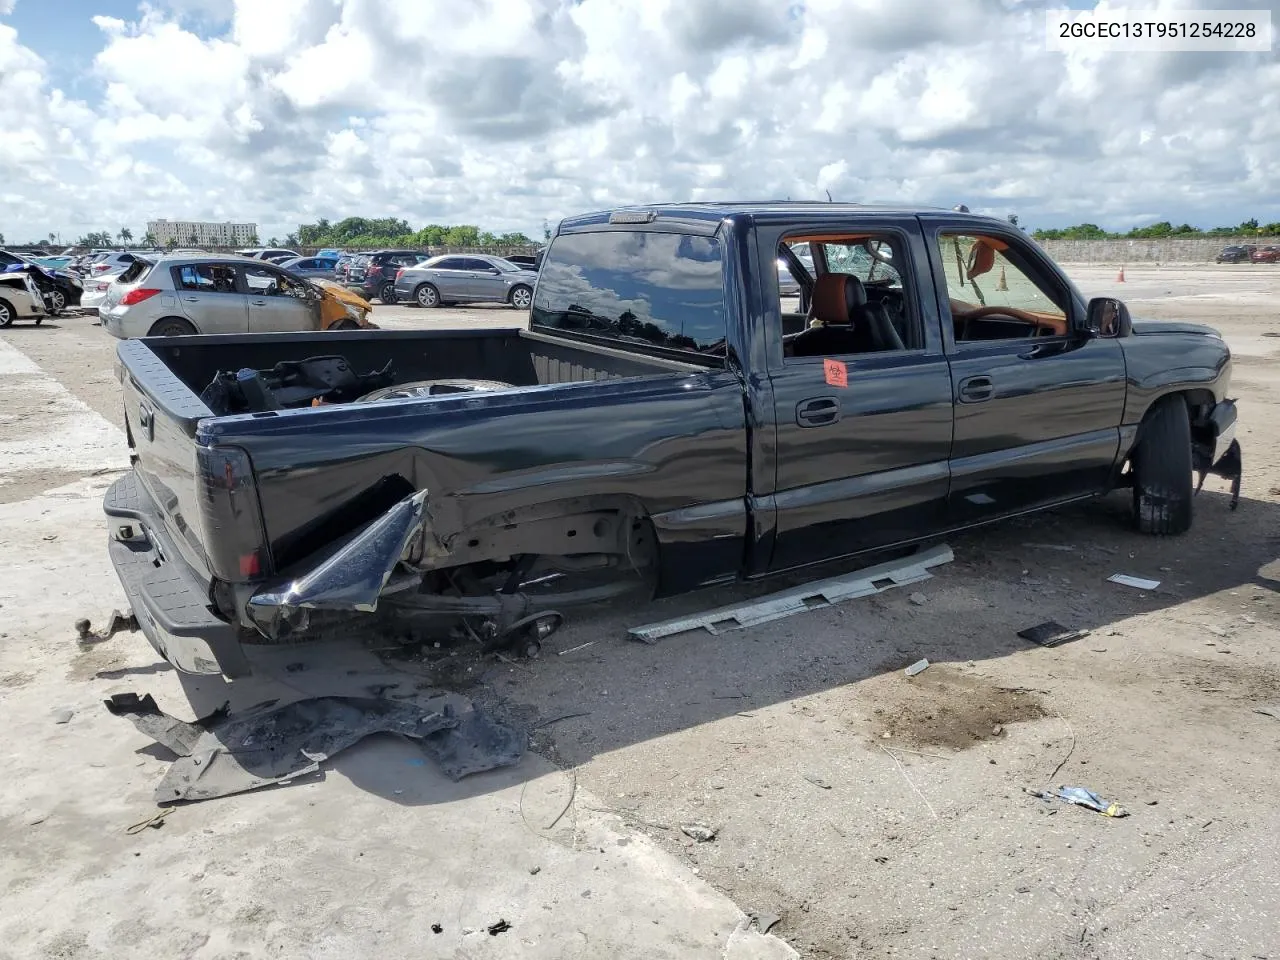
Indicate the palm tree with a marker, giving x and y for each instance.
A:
(126, 235)
(53, 237)
(149, 239)
(193, 239)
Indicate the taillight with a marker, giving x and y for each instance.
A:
(230, 517)
(99, 267)
(137, 296)
(99, 287)
(372, 270)
(400, 273)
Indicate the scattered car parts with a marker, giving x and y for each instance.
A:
(224, 754)
(809, 596)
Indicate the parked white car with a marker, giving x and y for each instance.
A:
(95, 290)
(20, 299)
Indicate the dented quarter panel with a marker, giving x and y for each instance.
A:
(350, 579)
(672, 446)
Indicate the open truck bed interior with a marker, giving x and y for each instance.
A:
(513, 357)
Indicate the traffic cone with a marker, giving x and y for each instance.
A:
(1003, 284)
(1120, 279)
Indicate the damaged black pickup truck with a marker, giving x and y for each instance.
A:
(668, 421)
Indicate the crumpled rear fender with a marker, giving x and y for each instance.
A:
(351, 579)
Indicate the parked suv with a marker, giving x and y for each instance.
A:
(1234, 254)
(376, 276)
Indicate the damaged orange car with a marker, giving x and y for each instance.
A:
(193, 293)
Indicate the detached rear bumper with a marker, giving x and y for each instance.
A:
(168, 597)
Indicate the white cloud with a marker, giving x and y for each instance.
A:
(506, 112)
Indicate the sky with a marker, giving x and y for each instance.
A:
(509, 113)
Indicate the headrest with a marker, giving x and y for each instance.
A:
(836, 296)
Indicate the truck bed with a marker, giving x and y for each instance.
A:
(515, 356)
(584, 431)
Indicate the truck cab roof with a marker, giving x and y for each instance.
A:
(704, 218)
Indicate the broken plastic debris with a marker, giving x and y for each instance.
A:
(765, 921)
(1051, 634)
(1084, 797)
(1138, 583)
(920, 666)
(222, 754)
(699, 832)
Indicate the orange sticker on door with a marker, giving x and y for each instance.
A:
(837, 373)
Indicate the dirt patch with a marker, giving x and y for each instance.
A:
(21, 485)
(943, 707)
(15, 679)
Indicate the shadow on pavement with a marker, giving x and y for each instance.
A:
(618, 692)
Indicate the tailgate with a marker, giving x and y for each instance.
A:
(206, 495)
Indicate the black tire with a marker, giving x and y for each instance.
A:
(7, 314)
(39, 320)
(387, 292)
(171, 327)
(427, 295)
(346, 323)
(1162, 486)
(521, 296)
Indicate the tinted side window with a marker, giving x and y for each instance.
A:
(450, 263)
(664, 289)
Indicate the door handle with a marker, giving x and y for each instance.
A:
(976, 389)
(258, 303)
(818, 411)
(191, 299)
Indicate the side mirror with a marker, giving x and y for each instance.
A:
(1108, 317)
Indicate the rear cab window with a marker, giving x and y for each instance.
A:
(634, 289)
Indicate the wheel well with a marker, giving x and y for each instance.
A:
(1200, 403)
(183, 320)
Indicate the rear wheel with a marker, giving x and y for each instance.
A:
(56, 301)
(427, 296)
(521, 297)
(1162, 486)
(171, 327)
(387, 294)
(6, 313)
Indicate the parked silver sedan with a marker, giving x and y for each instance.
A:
(466, 278)
(313, 268)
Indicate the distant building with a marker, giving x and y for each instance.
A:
(201, 233)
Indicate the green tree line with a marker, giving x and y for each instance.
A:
(1158, 231)
(393, 232)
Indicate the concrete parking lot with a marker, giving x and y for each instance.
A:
(876, 815)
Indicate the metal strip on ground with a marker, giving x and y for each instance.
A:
(809, 596)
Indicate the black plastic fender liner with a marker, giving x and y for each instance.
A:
(351, 579)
